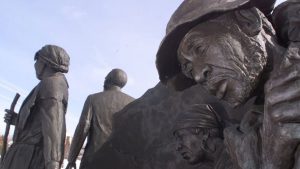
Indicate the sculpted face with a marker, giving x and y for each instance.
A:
(39, 68)
(189, 145)
(223, 59)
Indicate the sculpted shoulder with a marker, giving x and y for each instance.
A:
(55, 86)
(109, 94)
(114, 99)
(125, 96)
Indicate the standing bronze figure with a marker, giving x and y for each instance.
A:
(96, 119)
(40, 129)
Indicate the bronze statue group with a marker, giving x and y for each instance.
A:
(40, 127)
(242, 53)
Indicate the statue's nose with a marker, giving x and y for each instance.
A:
(200, 75)
(178, 147)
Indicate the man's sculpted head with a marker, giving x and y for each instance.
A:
(224, 56)
(115, 77)
(225, 47)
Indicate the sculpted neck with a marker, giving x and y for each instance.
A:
(115, 88)
(47, 73)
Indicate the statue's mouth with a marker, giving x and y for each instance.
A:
(221, 89)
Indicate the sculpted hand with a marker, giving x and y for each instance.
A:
(281, 127)
(52, 165)
(242, 142)
(10, 117)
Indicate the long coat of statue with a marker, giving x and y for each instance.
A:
(40, 128)
(96, 122)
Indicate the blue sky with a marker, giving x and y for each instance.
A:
(98, 35)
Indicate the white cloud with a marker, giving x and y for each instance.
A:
(12, 88)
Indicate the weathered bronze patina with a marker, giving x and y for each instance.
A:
(225, 54)
(40, 128)
(95, 122)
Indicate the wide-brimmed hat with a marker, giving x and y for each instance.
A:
(189, 14)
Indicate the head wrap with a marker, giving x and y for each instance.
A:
(198, 116)
(55, 57)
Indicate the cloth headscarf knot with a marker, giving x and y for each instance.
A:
(54, 56)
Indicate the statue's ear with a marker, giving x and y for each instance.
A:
(249, 20)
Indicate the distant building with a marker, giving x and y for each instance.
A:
(68, 141)
(1, 143)
(9, 143)
(67, 148)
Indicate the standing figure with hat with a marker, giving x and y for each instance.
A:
(231, 49)
(96, 119)
(40, 128)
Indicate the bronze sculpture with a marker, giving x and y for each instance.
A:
(221, 61)
(40, 124)
(199, 133)
(225, 56)
(281, 116)
(230, 49)
(96, 118)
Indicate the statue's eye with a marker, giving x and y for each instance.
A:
(188, 69)
(200, 49)
(189, 46)
(206, 73)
